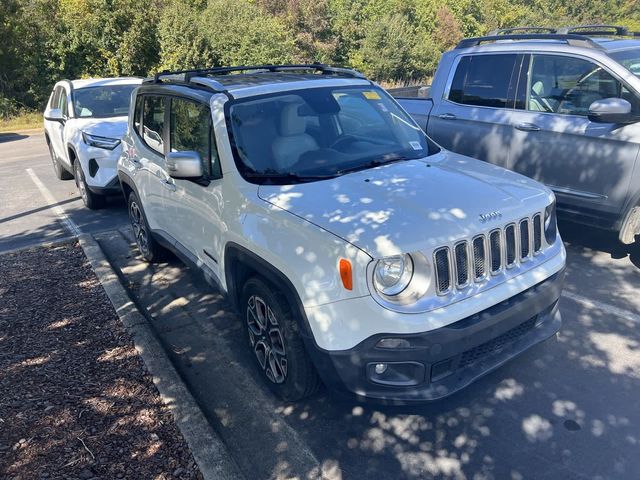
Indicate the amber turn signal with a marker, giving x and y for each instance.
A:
(345, 274)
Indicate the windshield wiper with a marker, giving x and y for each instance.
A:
(288, 176)
(373, 163)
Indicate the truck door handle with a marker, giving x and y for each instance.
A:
(528, 127)
(447, 116)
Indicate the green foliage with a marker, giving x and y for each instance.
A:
(390, 40)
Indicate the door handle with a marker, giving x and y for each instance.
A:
(447, 116)
(528, 127)
(168, 184)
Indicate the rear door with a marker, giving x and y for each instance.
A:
(474, 116)
(152, 179)
(195, 206)
(587, 164)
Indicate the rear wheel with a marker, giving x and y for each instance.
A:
(59, 170)
(150, 250)
(276, 343)
(91, 200)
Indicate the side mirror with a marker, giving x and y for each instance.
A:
(184, 165)
(55, 115)
(610, 110)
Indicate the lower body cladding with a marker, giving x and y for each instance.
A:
(431, 365)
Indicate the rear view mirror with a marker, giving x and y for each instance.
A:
(184, 165)
(55, 115)
(610, 110)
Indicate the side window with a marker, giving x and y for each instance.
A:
(153, 122)
(55, 98)
(62, 104)
(569, 85)
(137, 114)
(483, 80)
(191, 130)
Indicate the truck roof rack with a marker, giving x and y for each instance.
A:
(599, 30)
(192, 76)
(508, 31)
(571, 39)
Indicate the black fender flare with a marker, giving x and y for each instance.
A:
(75, 153)
(238, 258)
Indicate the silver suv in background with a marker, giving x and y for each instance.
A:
(561, 107)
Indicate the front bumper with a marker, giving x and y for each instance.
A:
(443, 361)
(100, 168)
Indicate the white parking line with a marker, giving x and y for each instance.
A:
(57, 209)
(605, 307)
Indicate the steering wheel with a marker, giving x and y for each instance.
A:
(343, 140)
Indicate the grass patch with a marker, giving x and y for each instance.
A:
(24, 121)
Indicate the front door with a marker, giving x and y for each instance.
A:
(587, 164)
(195, 205)
(474, 117)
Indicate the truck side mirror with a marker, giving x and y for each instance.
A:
(610, 110)
(184, 165)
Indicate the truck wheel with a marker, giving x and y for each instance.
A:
(60, 171)
(631, 226)
(91, 200)
(150, 250)
(276, 343)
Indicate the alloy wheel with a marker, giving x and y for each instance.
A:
(266, 339)
(139, 228)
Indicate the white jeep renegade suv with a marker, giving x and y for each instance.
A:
(83, 122)
(356, 250)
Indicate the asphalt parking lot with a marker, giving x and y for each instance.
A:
(566, 409)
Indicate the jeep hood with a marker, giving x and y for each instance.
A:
(412, 205)
(112, 127)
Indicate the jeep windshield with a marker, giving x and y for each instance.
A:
(102, 102)
(318, 133)
(629, 58)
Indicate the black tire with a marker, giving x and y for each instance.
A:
(92, 201)
(150, 249)
(59, 170)
(275, 341)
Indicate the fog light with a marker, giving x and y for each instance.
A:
(380, 368)
(393, 343)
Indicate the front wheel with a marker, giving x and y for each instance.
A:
(91, 200)
(150, 250)
(276, 343)
(59, 170)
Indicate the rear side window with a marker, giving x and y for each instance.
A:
(483, 80)
(153, 122)
(191, 130)
(137, 114)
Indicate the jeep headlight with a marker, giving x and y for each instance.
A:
(550, 224)
(401, 278)
(392, 275)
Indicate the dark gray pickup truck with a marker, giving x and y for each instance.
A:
(561, 107)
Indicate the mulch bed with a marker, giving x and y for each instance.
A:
(76, 401)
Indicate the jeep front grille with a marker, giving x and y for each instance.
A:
(487, 255)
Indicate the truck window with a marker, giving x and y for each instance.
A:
(190, 130)
(483, 80)
(569, 85)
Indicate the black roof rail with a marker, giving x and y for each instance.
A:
(507, 31)
(571, 39)
(599, 29)
(185, 76)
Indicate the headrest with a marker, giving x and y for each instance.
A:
(291, 123)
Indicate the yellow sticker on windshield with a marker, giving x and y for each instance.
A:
(371, 95)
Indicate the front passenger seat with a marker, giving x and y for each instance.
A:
(293, 141)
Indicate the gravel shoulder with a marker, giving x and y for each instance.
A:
(76, 401)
